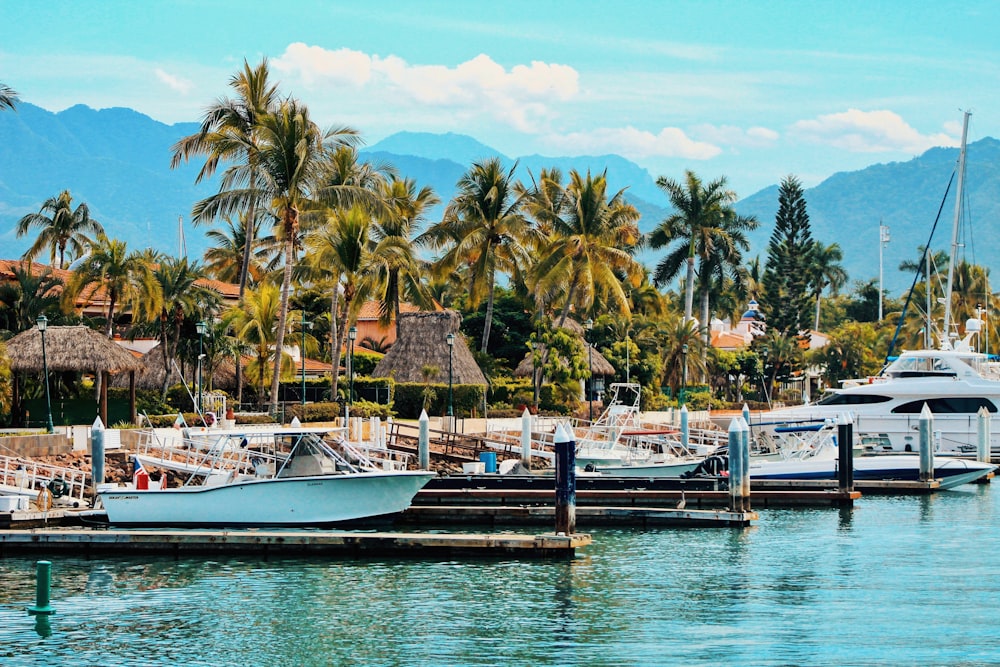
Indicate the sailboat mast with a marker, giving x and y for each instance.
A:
(946, 339)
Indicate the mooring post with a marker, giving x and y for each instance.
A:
(424, 441)
(685, 432)
(526, 438)
(735, 466)
(845, 453)
(565, 481)
(97, 454)
(745, 464)
(926, 444)
(983, 443)
(43, 586)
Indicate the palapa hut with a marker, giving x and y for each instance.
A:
(150, 376)
(79, 349)
(600, 367)
(423, 342)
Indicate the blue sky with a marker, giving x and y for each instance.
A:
(749, 90)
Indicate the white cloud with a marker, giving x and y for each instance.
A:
(869, 132)
(521, 97)
(182, 86)
(633, 143)
(732, 135)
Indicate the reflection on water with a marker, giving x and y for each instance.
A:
(801, 587)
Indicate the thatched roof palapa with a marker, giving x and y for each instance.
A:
(598, 363)
(150, 376)
(76, 348)
(422, 342)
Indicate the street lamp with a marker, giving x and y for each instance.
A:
(352, 334)
(43, 324)
(684, 372)
(590, 365)
(451, 358)
(202, 328)
(302, 356)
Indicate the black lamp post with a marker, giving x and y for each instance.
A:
(590, 366)
(352, 334)
(43, 324)
(451, 358)
(684, 372)
(302, 356)
(202, 328)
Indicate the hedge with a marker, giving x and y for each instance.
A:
(408, 399)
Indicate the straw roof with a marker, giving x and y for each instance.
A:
(598, 364)
(75, 348)
(150, 375)
(422, 343)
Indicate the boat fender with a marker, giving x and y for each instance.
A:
(58, 487)
(44, 500)
(209, 419)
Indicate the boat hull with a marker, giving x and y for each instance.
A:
(649, 469)
(294, 501)
(950, 472)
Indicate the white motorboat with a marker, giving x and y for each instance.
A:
(282, 477)
(819, 460)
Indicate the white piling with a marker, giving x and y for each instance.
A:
(745, 463)
(97, 453)
(424, 441)
(735, 466)
(526, 438)
(983, 431)
(685, 432)
(746, 413)
(926, 444)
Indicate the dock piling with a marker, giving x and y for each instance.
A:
(983, 432)
(43, 587)
(97, 454)
(845, 453)
(565, 481)
(424, 441)
(736, 500)
(685, 430)
(926, 444)
(526, 438)
(745, 463)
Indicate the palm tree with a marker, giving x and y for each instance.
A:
(182, 298)
(400, 270)
(826, 273)
(8, 97)
(256, 326)
(64, 228)
(591, 243)
(290, 157)
(227, 247)
(26, 297)
(126, 278)
(482, 228)
(229, 133)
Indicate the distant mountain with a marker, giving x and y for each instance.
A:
(118, 161)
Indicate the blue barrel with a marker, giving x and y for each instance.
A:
(490, 460)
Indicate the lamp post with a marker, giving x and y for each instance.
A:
(43, 324)
(302, 355)
(202, 328)
(590, 366)
(451, 359)
(352, 334)
(684, 373)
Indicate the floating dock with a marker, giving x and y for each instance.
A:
(85, 542)
(523, 515)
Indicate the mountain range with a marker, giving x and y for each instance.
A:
(118, 162)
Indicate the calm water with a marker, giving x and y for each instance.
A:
(896, 581)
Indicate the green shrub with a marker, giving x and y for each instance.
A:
(408, 399)
(315, 412)
(254, 419)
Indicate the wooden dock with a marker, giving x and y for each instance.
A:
(85, 542)
(524, 515)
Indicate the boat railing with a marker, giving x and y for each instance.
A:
(26, 477)
(374, 458)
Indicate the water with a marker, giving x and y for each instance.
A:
(895, 581)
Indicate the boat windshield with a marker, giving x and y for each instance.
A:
(836, 398)
(947, 405)
(920, 365)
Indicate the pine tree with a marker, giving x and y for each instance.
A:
(787, 291)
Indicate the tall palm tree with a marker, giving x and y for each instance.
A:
(826, 273)
(126, 278)
(61, 228)
(8, 97)
(400, 270)
(229, 134)
(227, 247)
(482, 228)
(290, 157)
(255, 324)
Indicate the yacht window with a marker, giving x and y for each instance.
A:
(852, 399)
(947, 405)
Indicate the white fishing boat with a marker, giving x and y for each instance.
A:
(281, 477)
(954, 380)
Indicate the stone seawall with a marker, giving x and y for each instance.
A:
(42, 444)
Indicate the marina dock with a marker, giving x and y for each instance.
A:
(86, 542)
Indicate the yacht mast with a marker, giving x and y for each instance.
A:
(946, 338)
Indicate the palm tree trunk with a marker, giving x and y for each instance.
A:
(111, 314)
(488, 323)
(689, 290)
(705, 327)
(819, 297)
(286, 282)
(335, 342)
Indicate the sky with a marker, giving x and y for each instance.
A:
(753, 91)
